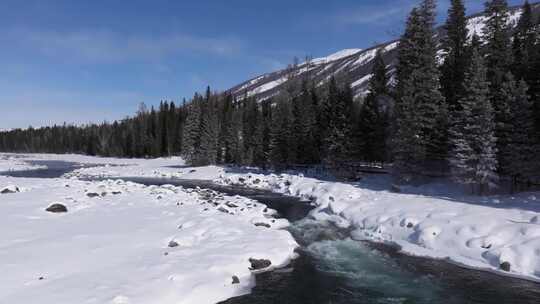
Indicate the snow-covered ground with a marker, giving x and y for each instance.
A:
(490, 233)
(121, 242)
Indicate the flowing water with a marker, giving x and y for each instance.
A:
(333, 269)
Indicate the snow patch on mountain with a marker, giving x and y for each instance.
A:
(476, 25)
(336, 56)
(362, 80)
(267, 86)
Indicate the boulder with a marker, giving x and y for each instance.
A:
(257, 264)
(221, 209)
(173, 244)
(505, 266)
(262, 225)
(57, 208)
(10, 189)
(231, 205)
(235, 280)
(92, 194)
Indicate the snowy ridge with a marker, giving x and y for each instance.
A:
(336, 56)
(351, 65)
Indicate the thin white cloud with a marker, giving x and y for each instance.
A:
(23, 106)
(373, 14)
(108, 46)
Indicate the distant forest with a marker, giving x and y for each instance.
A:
(475, 117)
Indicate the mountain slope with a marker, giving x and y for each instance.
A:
(352, 65)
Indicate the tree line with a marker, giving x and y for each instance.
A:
(472, 110)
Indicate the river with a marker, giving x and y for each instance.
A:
(332, 268)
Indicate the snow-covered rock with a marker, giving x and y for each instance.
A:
(9, 189)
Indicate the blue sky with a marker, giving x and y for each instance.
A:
(88, 61)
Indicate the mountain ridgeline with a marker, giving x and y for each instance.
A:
(461, 100)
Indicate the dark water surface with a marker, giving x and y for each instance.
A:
(333, 269)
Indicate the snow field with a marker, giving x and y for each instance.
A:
(122, 242)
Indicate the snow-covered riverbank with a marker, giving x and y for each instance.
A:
(121, 242)
(498, 233)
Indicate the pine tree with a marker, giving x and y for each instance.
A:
(338, 106)
(209, 132)
(304, 126)
(523, 45)
(192, 131)
(519, 153)
(281, 137)
(418, 92)
(455, 60)
(498, 53)
(372, 121)
(473, 154)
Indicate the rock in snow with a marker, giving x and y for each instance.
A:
(57, 208)
(173, 244)
(259, 264)
(505, 266)
(9, 189)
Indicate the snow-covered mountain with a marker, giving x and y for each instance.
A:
(352, 65)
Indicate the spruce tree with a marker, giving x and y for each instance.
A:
(498, 53)
(455, 60)
(209, 133)
(281, 155)
(418, 95)
(519, 153)
(192, 131)
(523, 45)
(473, 155)
(372, 122)
(338, 106)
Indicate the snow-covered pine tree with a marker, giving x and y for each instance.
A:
(474, 143)
(431, 104)
(455, 59)
(418, 83)
(407, 148)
